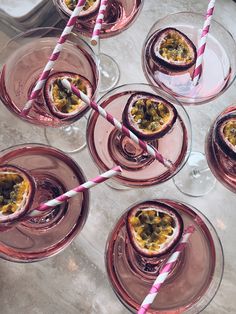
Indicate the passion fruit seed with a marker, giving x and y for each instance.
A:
(230, 132)
(174, 48)
(149, 114)
(152, 229)
(71, 4)
(13, 189)
(64, 100)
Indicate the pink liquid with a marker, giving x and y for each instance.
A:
(108, 146)
(222, 166)
(120, 14)
(24, 66)
(214, 79)
(192, 283)
(55, 173)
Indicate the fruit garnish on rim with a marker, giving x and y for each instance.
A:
(148, 116)
(226, 134)
(90, 6)
(61, 102)
(173, 50)
(154, 228)
(16, 190)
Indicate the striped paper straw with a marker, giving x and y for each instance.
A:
(165, 271)
(149, 149)
(54, 56)
(81, 188)
(203, 40)
(99, 21)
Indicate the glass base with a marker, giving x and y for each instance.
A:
(109, 73)
(192, 283)
(70, 139)
(195, 179)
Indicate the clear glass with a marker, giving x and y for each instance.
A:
(222, 166)
(120, 15)
(191, 285)
(55, 173)
(219, 64)
(108, 146)
(24, 59)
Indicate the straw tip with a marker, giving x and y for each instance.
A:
(118, 168)
(94, 42)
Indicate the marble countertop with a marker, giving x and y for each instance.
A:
(75, 280)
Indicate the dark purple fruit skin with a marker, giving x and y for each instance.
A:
(218, 136)
(55, 113)
(158, 205)
(156, 135)
(163, 65)
(18, 215)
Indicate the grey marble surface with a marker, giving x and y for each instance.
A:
(75, 280)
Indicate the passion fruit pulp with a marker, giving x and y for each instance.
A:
(172, 50)
(148, 116)
(90, 7)
(154, 228)
(17, 190)
(225, 134)
(62, 103)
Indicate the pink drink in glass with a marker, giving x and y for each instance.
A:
(218, 63)
(108, 146)
(55, 173)
(120, 14)
(192, 283)
(222, 165)
(25, 57)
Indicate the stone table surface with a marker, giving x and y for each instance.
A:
(75, 280)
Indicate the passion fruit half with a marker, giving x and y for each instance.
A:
(17, 190)
(225, 134)
(62, 103)
(89, 9)
(154, 228)
(148, 116)
(172, 50)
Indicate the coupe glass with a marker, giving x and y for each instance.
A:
(23, 60)
(37, 238)
(222, 165)
(192, 283)
(108, 146)
(219, 70)
(120, 14)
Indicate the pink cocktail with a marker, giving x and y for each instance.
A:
(192, 283)
(219, 63)
(108, 146)
(25, 57)
(221, 160)
(54, 173)
(119, 16)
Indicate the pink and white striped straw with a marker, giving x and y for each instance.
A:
(81, 188)
(54, 56)
(165, 271)
(149, 149)
(99, 21)
(203, 40)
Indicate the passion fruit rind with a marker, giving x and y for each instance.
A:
(17, 190)
(150, 117)
(62, 103)
(90, 8)
(154, 228)
(173, 50)
(225, 134)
